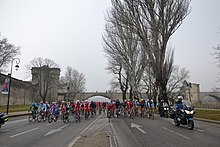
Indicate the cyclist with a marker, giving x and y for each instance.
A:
(110, 108)
(125, 107)
(47, 107)
(82, 108)
(104, 106)
(86, 107)
(99, 107)
(142, 105)
(93, 107)
(62, 108)
(55, 109)
(131, 106)
(77, 106)
(117, 105)
(42, 108)
(136, 105)
(151, 107)
(34, 108)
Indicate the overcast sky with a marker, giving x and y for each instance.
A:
(69, 32)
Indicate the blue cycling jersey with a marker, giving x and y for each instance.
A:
(43, 107)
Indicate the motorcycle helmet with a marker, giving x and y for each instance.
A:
(179, 98)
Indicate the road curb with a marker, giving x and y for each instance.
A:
(208, 120)
(16, 115)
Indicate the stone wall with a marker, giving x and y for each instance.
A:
(22, 92)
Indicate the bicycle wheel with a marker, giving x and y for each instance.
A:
(64, 118)
(50, 118)
(39, 118)
(86, 115)
(152, 113)
(153, 116)
(30, 117)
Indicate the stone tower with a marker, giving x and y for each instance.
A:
(191, 91)
(46, 81)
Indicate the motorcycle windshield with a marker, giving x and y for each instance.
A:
(165, 105)
(187, 104)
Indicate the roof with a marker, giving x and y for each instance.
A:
(210, 98)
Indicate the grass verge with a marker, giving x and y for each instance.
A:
(208, 114)
(14, 108)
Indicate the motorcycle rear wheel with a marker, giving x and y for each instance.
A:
(176, 122)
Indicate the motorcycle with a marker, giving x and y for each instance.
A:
(3, 118)
(164, 110)
(184, 116)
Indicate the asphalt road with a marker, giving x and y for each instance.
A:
(19, 132)
(142, 132)
(123, 132)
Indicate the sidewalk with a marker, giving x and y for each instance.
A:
(14, 114)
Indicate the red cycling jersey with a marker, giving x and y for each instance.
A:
(110, 106)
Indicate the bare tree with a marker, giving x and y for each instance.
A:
(177, 77)
(75, 81)
(45, 74)
(123, 48)
(154, 21)
(216, 55)
(121, 77)
(7, 51)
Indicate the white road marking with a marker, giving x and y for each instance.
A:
(194, 129)
(49, 124)
(55, 130)
(79, 136)
(138, 127)
(15, 121)
(24, 132)
(115, 139)
(176, 133)
(199, 130)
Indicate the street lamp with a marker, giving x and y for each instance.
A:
(189, 85)
(17, 60)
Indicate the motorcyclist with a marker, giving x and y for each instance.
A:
(178, 105)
